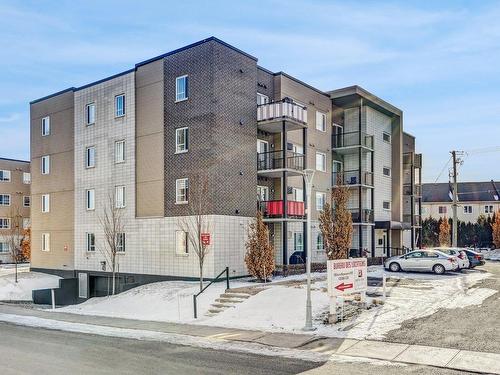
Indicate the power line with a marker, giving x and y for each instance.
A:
(442, 170)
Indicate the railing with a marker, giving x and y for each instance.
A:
(275, 209)
(195, 306)
(282, 109)
(417, 190)
(354, 177)
(361, 216)
(418, 161)
(417, 220)
(350, 139)
(275, 160)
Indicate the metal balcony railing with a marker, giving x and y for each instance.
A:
(417, 220)
(417, 190)
(276, 160)
(275, 209)
(350, 139)
(361, 216)
(283, 109)
(353, 177)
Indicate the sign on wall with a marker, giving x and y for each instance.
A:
(347, 276)
(205, 239)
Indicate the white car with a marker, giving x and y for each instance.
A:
(423, 261)
(460, 254)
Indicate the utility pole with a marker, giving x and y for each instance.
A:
(454, 175)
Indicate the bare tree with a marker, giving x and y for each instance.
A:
(15, 234)
(111, 221)
(198, 220)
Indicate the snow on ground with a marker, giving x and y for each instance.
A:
(27, 282)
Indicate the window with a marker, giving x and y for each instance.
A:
(4, 223)
(386, 137)
(386, 205)
(467, 209)
(26, 201)
(45, 203)
(90, 157)
(90, 242)
(4, 247)
(181, 190)
(297, 195)
(120, 105)
(262, 99)
(320, 161)
(181, 88)
(321, 121)
(90, 114)
(45, 164)
(120, 242)
(26, 178)
(181, 140)
(262, 193)
(4, 199)
(298, 243)
(90, 199)
(488, 209)
(119, 152)
(442, 209)
(120, 196)
(320, 243)
(45, 126)
(181, 242)
(5, 175)
(45, 241)
(320, 200)
(387, 171)
(26, 222)
(296, 149)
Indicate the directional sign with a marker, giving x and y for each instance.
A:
(347, 276)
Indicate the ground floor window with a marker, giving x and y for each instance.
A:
(4, 247)
(298, 241)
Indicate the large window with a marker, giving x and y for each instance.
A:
(119, 152)
(26, 201)
(90, 242)
(45, 241)
(90, 157)
(181, 190)
(120, 105)
(181, 242)
(45, 203)
(45, 166)
(4, 247)
(181, 88)
(4, 223)
(4, 199)
(45, 126)
(321, 121)
(90, 114)
(120, 196)
(26, 178)
(4, 175)
(320, 200)
(120, 242)
(321, 161)
(181, 140)
(90, 199)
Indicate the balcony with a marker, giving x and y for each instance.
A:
(418, 161)
(417, 220)
(272, 116)
(345, 143)
(272, 164)
(275, 209)
(353, 178)
(364, 216)
(417, 190)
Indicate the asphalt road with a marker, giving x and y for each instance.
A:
(37, 351)
(469, 328)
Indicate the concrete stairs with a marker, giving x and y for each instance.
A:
(227, 300)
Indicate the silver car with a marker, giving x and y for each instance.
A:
(422, 261)
(463, 261)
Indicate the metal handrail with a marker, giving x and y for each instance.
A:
(195, 296)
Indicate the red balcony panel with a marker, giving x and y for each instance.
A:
(275, 208)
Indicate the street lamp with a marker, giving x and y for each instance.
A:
(308, 178)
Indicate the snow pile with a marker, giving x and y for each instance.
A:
(27, 282)
(492, 254)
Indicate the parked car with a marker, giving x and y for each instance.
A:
(423, 261)
(475, 258)
(462, 259)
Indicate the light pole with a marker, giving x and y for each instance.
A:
(308, 178)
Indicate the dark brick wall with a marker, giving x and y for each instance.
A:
(221, 114)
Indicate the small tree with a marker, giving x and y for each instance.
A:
(198, 220)
(444, 232)
(496, 230)
(113, 227)
(15, 235)
(259, 258)
(335, 223)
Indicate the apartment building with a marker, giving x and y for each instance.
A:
(146, 136)
(15, 202)
(474, 199)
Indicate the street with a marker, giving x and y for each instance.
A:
(30, 350)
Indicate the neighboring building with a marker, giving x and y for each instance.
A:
(15, 200)
(474, 199)
(143, 135)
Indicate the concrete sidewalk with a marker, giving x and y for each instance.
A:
(456, 359)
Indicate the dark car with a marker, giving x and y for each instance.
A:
(475, 258)
(298, 257)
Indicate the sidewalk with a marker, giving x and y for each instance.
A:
(311, 347)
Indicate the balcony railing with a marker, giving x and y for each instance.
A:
(417, 190)
(284, 109)
(417, 220)
(275, 209)
(353, 177)
(276, 160)
(350, 139)
(418, 160)
(361, 216)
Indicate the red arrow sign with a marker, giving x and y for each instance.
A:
(343, 287)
